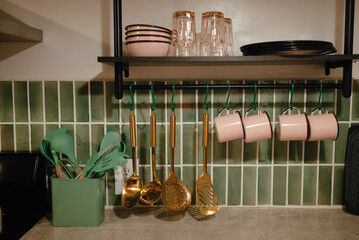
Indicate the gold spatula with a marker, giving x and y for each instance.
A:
(175, 194)
(206, 196)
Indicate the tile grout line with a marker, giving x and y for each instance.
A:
(75, 115)
(249, 165)
(273, 147)
(197, 137)
(58, 103)
(43, 107)
(89, 99)
(28, 114)
(333, 147)
(13, 113)
(257, 154)
(303, 152)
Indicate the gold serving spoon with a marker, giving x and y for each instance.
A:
(151, 192)
(132, 189)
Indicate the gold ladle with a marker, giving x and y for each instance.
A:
(151, 192)
(132, 189)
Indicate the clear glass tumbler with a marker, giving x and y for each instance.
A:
(183, 34)
(228, 36)
(212, 34)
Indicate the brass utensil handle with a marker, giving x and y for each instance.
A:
(153, 131)
(133, 130)
(205, 129)
(172, 131)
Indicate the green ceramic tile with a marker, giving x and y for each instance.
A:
(97, 101)
(294, 185)
(112, 198)
(112, 104)
(266, 101)
(189, 144)
(189, 177)
(295, 151)
(161, 145)
(282, 102)
(250, 153)
(235, 151)
(219, 152)
(37, 134)
(326, 151)
(264, 185)
(341, 142)
(265, 151)
(311, 152)
(161, 174)
(325, 185)
(82, 101)
(298, 96)
(70, 129)
(219, 183)
(200, 105)
(51, 102)
(50, 127)
(143, 109)
(67, 101)
(160, 105)
(145, 174)
(177, 150)
(176, 100)
(22, 137)
(312, 98)
(112, 127)
(343, 106)
(249, 185)
(7, 137)
(248, 95)
(125, 136)
(355, 106)
(20, 92)
(219, 102)
(97, 133)
(310, 185)
(211, 137)
(36, 101)
(234, 185)
(82, 143)
(280, 150)
(143, 144)
(189, 105)
(338, 185)
(328, 98)
(6, 114)
(279, 185)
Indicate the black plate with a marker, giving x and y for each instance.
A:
(301, 47)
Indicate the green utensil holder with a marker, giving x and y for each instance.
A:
(77, 202)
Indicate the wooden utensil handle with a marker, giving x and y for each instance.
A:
(172, 131)
(205, 129)
(153, 131)
(133, 130)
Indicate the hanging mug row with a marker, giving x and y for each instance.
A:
(292, 127)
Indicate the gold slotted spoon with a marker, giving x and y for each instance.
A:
(175, 194)
(206, 196)
(151, 192)
(132, 189)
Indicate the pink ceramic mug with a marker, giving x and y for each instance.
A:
(322, 126)
(228, 127)
(257, 127)
(293, 127)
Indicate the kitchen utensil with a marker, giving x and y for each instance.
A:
(52, 133)
(228, 127)
(322, 126)
(131, 192)
(175, 194)
(151, 192)
(257, 127)
(104, 164)
(293, 127)
(89, 165)
(46, 152)
(59, 172)
(206, 196)
(110, 138)
(64, 143)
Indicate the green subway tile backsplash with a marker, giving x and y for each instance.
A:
(269, 172)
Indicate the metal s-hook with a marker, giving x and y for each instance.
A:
(131, 105)
(291, 104)
(320, 102)
(255, 103)
(206, 105)
(228, 104)
(173, 105)
(153, 105)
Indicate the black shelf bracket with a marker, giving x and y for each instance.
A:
(122, 68)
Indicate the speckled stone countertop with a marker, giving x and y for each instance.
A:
(228, 223)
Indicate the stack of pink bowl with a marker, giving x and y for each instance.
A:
(144, 40)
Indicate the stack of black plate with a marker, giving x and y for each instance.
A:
(289, 48)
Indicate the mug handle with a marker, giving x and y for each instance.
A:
(316, 109)
(298, 111)
(259, 111)
(225, 108)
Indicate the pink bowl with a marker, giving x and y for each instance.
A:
(147, 37)
(149, 32)
(145, 27)
(148, 48)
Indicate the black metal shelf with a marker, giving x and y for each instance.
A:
(345, 61)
